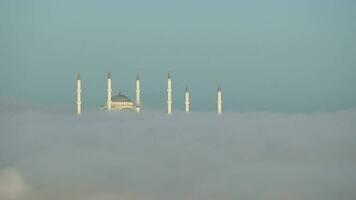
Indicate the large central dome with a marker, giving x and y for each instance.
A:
(120, 98)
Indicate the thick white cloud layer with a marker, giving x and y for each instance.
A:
(12, 185)
(108, 156)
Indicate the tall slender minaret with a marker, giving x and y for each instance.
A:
(219, 99)
(187, 99)
(169, 95)
(79, 97)
(138, 92)
(109, 92)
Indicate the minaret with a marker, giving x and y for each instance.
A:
(187, 99)
(219, 99)
(109, 92)
(138, 91)
(169, 96)
(79, 97)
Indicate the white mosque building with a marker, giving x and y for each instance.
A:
(121, 102)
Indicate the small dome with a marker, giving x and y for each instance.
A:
(120, 98)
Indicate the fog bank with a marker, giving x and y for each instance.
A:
(53, 154)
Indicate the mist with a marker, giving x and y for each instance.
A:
(50, 153)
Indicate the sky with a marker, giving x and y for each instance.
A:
(275, 56)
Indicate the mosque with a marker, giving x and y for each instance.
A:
(121, 102)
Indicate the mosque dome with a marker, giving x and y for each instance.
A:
(120, 98)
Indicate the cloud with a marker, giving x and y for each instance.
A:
(102, 155)
(12, 185)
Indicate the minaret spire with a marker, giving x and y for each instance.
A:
(79, 97)
(219, 102)
(169, 94)
(109, 90)
(138, 92)
(187, 99)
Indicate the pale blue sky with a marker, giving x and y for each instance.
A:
(283, 56)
